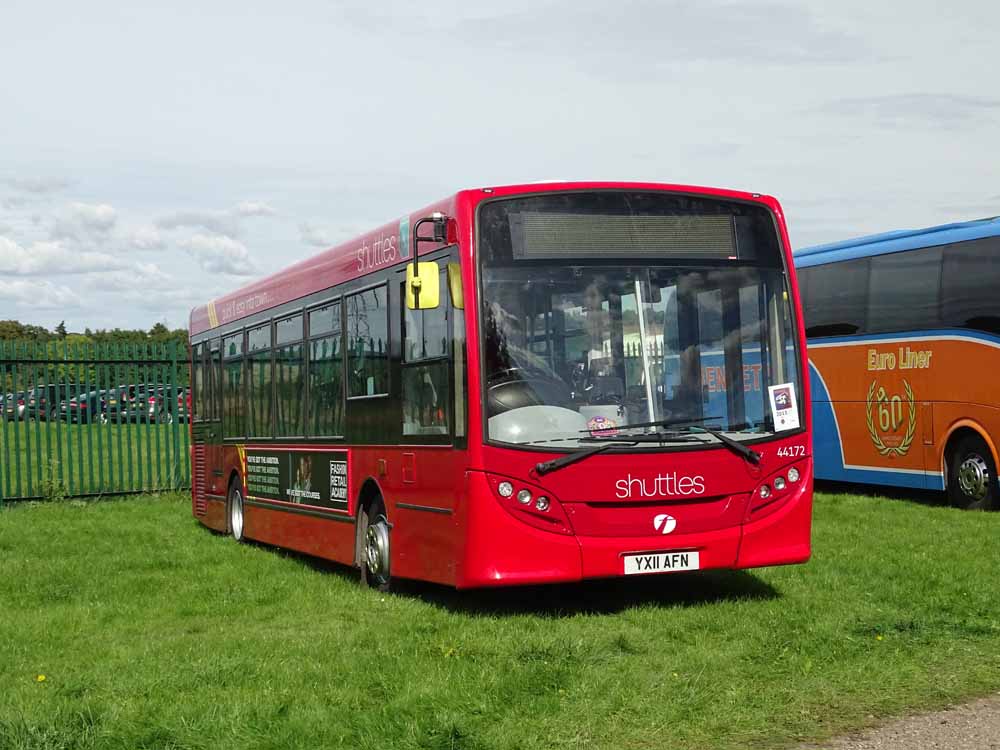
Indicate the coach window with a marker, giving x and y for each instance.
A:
(968, 285)
(837, 298)
(426, 389)
(368, 343)
(326, 372)
(904, 292)
(289, 386)
(259, 381)
(232, 396)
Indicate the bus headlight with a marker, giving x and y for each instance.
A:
(793, 474)
(542, 503)
(765, 491)
(506, 489)
(779, 483)
(524, 497)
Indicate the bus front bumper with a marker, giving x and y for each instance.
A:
(501, 550)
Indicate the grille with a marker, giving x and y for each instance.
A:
(198, 480)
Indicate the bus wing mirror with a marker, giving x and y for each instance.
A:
(455, 286)
(423, 282)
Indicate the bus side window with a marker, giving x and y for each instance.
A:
(213, 381)
(232, 401)
(325, 416)
(426, 373)
(198, 382)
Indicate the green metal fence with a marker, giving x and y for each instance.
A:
(80, 420)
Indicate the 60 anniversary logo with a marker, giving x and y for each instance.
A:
(889, 410)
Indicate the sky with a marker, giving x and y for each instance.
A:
(157, 155)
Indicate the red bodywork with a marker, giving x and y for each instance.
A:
(477, 538)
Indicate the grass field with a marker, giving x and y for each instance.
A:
(151, 632)
(56, 458)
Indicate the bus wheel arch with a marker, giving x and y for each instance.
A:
(372, 540)
(970, 468)
(235, 517)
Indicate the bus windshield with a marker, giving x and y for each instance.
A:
(577, 348)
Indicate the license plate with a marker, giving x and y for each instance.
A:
(660, 562)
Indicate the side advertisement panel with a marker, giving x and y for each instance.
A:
(318, 479)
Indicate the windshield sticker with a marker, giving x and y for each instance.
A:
(600, 426)
(783, 407)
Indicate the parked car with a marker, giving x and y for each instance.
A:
(43, 400)
(121, 401)
(87, 408)
(13, 406)
(150, 403)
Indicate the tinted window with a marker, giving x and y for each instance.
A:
(232, 398)
(326, 373)
(288, 330)
(904, 291)
(289, 389)
(324, 319)
(426, 331)
(326, 386)
(969, 285)
(259, 338)
(368, 342)
(198, 381)
(837, 298)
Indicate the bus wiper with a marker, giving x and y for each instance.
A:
(657, 423)
(544, 467)
(734, 445)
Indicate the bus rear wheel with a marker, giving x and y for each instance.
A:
(375, 571)
(972, 475)
(234, 508)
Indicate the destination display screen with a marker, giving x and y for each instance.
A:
(559, 235)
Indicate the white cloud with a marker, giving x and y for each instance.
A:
(314, 235)
(38, 185)
(141, 277)
(218, 222)
(100, 217)
(38, 294)
(220, 254)
(145, 238)
(85, 222)
(49, 258)
(254, 208)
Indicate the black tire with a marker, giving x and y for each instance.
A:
(234, 511)
(972, 475)
(53, 414)
(375, 549)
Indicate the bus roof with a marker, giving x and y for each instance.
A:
(368, 252)
(896, 241)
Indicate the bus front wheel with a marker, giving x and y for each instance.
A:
(972, 475)
(375, 571)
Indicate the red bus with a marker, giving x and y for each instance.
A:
(518, 385)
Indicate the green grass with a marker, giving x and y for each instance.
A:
(154, 633)
(53, 459)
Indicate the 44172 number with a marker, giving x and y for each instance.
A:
(792, 451)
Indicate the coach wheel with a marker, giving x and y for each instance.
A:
(236, 511)
(972, 475)
(53, 414)
(375, 560)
